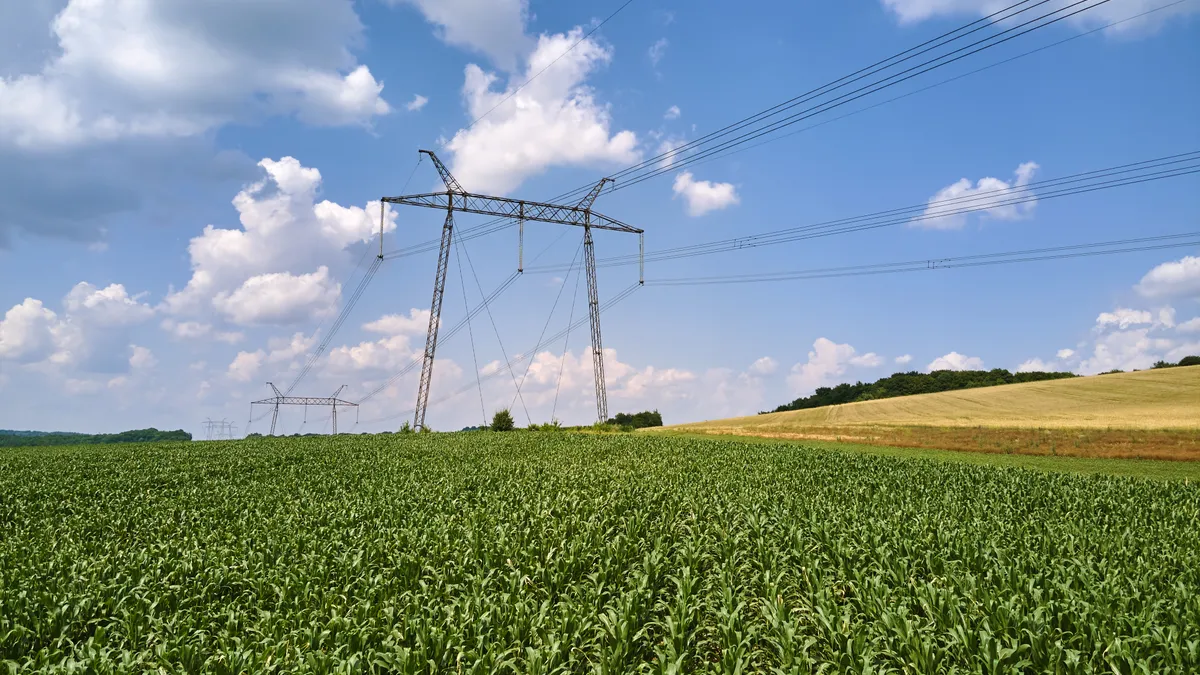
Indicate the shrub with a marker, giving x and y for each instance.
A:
(502, 420)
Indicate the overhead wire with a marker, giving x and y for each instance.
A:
(561, 288)
(497, 225)
(605, 306)
(853, 95)
(1160, 168)
(474, 357)
(566, 342)
(983, 259)
(499, 340)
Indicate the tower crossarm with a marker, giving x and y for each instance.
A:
(304, 400)
(506, 207)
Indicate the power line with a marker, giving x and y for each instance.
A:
(856, 94)
(977, 260)
(1160, 168)
(497, 225)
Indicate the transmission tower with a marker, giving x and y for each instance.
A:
(455, 198)
(219, 430)
(280, 399)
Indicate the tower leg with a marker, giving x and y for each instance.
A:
(274, 417)
(435, 313)
(589, 258)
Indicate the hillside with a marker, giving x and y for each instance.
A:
(1150, 414)
(1167, 398)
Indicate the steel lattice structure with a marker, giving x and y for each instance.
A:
(455, 198)
(280, 399)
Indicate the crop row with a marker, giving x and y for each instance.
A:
(540, 553)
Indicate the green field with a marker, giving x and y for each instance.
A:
(557, 552)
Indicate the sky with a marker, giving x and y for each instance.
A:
(190, 196)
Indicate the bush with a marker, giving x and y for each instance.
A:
(1190, 361)
(502, 420)
(406, 428)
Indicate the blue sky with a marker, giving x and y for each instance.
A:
(188, 189)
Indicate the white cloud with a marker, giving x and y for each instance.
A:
(1189, 326)
(1123, 318)
(868, 360)
(110, 306)
(764, 366)
(246, 365)
(286, 349)
(284, 228)
(1179, 278)
(135, 68)
(672, 113)
(910, 11)
(555, 120)
(281, 298)
(27, 333)
(495, 28)
(416, 323)
(955, 361)
(903, 360)
(1124, 350)
(1066, 353)
(988, 194)
(827, 361)
(704, 196)
(416, 104)
(658, 50)
(142, 358)
(1036, 366)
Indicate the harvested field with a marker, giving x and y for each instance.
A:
(1151, 414)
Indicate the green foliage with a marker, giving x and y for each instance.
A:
(907, 384)
(641, 420)
(574, 553)
(502, 420)
(552, 425)
(28, 438)
(406, 428)
(1185, 361)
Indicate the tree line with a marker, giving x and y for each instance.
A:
(12, 439)
(913, 382)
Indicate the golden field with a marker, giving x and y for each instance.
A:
(1151, 414)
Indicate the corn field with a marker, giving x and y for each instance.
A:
(566, 553)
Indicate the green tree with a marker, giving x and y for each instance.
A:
(1190, 361)
(502, 420)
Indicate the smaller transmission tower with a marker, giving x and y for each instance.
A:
(219, 430)
(279, 399)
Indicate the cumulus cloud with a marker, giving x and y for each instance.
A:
(988, 196)
(1189, 326)
(912, 11)
(672, 113)
(416, 323)
(554, 120)
(141, 358)
(416, 104)
(764, 366)
(168, 70)
(246, 365)
(1133, 349)
(702, 196)
(1035, 366)
(1178, 278)
(828, 361)
(27, 333)
(111, 305)
(1066, 353)
(281, 298)
(248, 275)
(955, 361)
(495, 28)
(1123, 318)
(903, 360)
